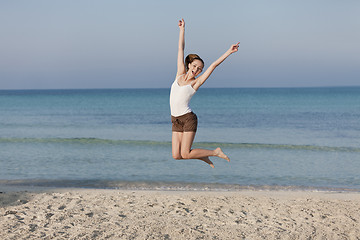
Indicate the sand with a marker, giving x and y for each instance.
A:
(119, 214)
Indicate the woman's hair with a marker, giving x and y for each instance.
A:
(190, 58)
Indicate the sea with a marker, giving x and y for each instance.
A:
(276, 138)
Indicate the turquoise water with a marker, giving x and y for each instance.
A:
(285, 138)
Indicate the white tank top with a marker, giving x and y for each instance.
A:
(180, 97)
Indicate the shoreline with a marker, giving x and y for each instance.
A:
(38, 185)
(74, 213)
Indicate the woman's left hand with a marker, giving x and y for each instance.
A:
(234, 48)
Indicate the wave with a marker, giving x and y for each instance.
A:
(33, 184)
(165, 143)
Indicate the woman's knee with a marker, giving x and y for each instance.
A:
(177, 156)
(185, 155)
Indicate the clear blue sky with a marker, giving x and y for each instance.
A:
(131, 44)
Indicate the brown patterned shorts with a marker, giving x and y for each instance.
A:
(184, 123)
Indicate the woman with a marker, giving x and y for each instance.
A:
(187, 82)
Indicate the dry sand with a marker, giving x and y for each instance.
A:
(118, 214)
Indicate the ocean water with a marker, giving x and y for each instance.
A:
(290, 138)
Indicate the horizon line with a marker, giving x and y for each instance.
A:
(153, 88)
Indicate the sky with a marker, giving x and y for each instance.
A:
(133, 44)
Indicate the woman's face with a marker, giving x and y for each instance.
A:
(195, 67)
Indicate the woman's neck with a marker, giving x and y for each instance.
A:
(188, 77)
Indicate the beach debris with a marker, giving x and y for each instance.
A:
(62, 207)
(22, 201)
(10, 212)
(32, 227)
(90, 214)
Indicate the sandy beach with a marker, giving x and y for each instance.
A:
(119, 214)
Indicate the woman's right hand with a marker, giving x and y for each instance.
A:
(181, 24)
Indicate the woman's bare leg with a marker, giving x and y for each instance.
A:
(197, 153)
(176, 145)
(176, 148)
(207, 160)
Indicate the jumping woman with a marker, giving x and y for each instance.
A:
(187, 82)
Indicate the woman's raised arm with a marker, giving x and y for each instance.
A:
(180, 60)
(201, 79)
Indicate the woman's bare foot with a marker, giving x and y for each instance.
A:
(219, 153)
(207, 160)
